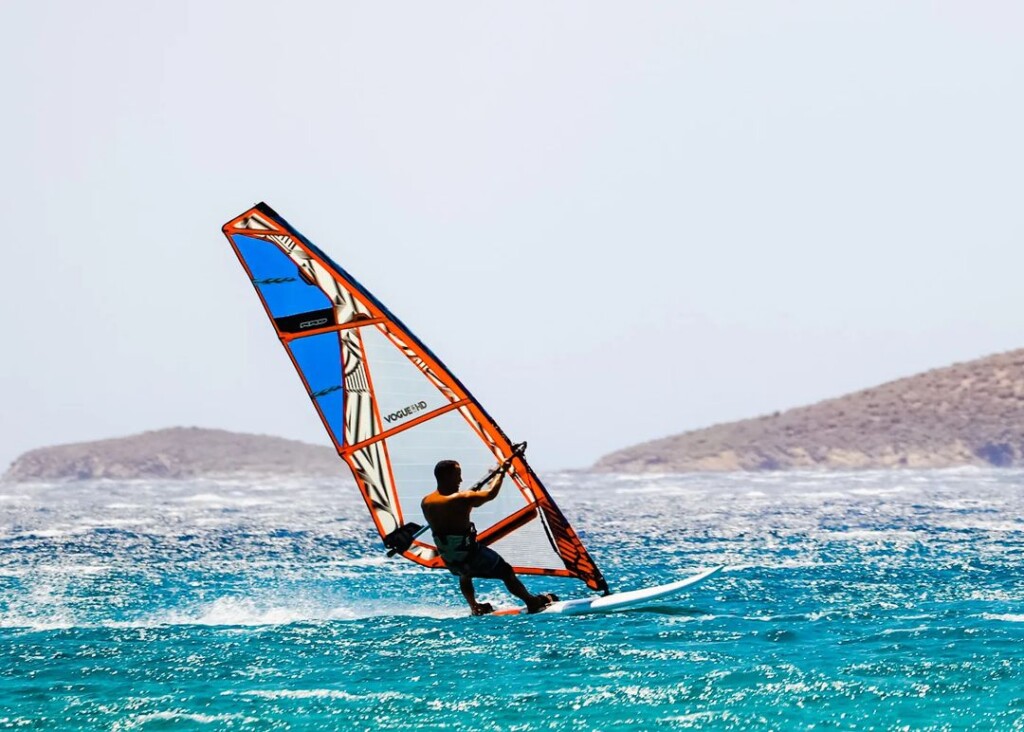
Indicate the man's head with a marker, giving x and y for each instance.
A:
(449, 476)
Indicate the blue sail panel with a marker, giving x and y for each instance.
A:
(276, 276)
(319, 360)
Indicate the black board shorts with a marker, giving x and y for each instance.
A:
(484, 563)
(473, 560)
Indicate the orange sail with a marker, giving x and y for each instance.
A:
(391, 408)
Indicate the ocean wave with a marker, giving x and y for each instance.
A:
(337, 694)
(215, 499)
(1004, 617)
(226, 612)
(235, 611)
(142, 720)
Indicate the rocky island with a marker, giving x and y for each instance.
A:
(970, 413)
(179, 452)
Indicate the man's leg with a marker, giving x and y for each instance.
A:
(517, 588)
(469, 592)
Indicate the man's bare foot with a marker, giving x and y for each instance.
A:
(540, 602)
(482, 608)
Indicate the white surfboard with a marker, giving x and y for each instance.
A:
(619, 600)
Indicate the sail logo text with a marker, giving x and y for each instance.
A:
(411, 409)
(313, 323)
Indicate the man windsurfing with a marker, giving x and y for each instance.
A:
(447, 511)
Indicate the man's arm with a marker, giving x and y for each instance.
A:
(479, 498)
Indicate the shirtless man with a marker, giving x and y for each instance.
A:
(447, 512)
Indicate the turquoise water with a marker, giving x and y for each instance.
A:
(868, 601)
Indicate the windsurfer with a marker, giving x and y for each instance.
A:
(447, 511)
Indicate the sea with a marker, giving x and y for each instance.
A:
(851, 601)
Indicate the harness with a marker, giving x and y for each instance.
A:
(455, 549)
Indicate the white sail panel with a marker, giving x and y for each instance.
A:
(529, 546)
(401, 390)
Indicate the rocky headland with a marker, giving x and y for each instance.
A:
(179, 452)
(970, 413)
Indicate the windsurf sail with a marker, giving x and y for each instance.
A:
(392, 409)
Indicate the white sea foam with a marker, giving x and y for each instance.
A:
(179, 716)
(886, 491)
(1006, 617)
(237, 611)
(339, 694)
(366, 562)
(47, 533)
(988, 595)
(907, 631)
(247, 612)
(43, 613)
(216, 499)
(112, 523)
(984, 524)
(793, 563)
(41, 610)
(695, 719)
(74, 570)
(50, 621)
(868, 535)
(211, 521)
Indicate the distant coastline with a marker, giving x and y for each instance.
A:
(176, 453)
(969, 413)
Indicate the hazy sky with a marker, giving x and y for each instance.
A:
(613, 221)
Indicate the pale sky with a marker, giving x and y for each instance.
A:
(613, 221)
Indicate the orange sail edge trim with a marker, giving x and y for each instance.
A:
(488, 430)
(232, 227)
(508, 524)
(432, 563)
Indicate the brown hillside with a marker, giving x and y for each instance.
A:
(966, 414)
(178, 452)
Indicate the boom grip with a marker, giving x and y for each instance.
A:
(399, 540)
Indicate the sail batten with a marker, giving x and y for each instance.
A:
(391, 407)
(408, 425)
